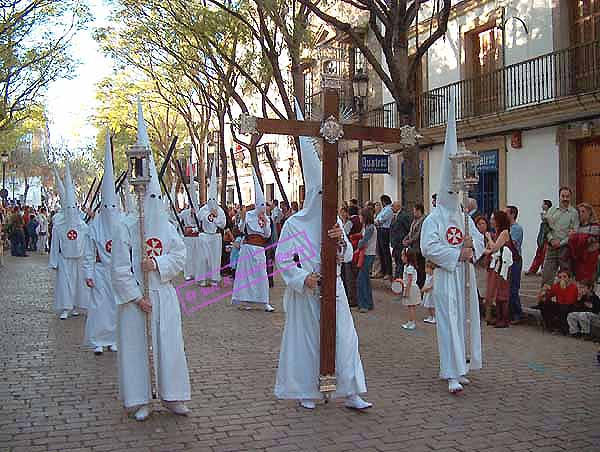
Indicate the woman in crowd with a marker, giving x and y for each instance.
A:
(17, 234)
(558, 301)
(498, 283)
(584, 244)
(481, 269)
(368, 245)
(542, 243)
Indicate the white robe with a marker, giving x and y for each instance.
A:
(251, 283)
(210, 245)
(167, 335)
(101, 322)
(66, 256)
(299, 356)
(439, 244)
(192, 246)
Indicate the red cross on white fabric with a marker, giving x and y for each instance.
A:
(72, 234)
(454, 235)
(154, 247)
(108, 246)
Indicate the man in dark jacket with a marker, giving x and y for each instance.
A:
(398, 231)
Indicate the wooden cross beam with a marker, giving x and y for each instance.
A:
(331, 131)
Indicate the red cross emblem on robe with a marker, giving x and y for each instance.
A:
(108, 246)
(72, 234)
(154, 247)
(454, 235)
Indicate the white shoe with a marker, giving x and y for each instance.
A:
(269, 308)
(142, 413)
(430, 320)
(177, 408)
(409, 326)
(98, 350)
(64, 315)
(464, 380)
(354, 402)
(454, 386)
(74, 313)
(308, 404)
(112, 348)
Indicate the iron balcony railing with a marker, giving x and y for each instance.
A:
(549, 77)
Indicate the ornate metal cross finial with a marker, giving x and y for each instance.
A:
(409, 135)
(247, 124)
(331, 130)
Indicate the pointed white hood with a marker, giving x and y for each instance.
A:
(310, 215)
(259, 198)
(110, 204)
(448, 203)
(156, 223)
(213, 190)
(70, 204)
(59, 186)
(447, 197)
(192, 187)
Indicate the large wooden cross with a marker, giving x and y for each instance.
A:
(331, 131)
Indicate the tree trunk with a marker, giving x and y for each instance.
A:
(412, 172)
(223, 158)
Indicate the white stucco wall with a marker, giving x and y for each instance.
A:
(445, 56)
(532, 176)
(391, 181)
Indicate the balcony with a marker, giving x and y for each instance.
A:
(555, 83)
(545, 79)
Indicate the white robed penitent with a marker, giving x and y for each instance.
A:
(299, 357)
(69, 238)
(101, 322)
(166, 246)
(251, 284)
(210, 241)
(442, 238)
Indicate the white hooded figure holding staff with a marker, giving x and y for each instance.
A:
(101, 322)
(444, 243)
(251, 284)
(211, 217)
(298, 257)
(163, 260)
(69, 238)
(191, 233)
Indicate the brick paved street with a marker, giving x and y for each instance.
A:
(538, 392)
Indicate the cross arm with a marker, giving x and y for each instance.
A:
(405, 135)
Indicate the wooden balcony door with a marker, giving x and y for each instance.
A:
(483, 88)
(585, 29)
(588, 173)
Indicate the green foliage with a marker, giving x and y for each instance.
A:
(35, 37)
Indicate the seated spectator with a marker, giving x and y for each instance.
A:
(557, 302)
(586, 310)
(584, 244)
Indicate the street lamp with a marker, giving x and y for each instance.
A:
(4, 192)
(14, 182)
(360, 85)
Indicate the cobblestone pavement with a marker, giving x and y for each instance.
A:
(538, 392)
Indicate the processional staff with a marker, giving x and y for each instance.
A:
(138, 171)
(465, 177)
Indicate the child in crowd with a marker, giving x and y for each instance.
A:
(426, 291)
(235, 250)
(412, 294)
(557, 302)
(586, 310)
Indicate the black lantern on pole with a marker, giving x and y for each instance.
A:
(138, 168)
(360, 85)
